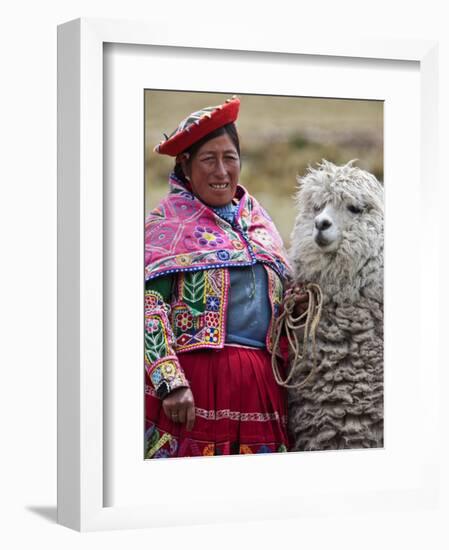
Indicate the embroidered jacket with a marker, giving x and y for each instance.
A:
(187, 311)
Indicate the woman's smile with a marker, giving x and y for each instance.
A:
(219, 185)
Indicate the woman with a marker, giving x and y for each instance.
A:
(215, 270)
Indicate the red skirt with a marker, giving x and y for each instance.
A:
(239, 408)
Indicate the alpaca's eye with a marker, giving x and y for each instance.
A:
(317, 208)
(354, 209)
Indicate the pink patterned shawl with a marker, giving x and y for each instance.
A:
(184, 234)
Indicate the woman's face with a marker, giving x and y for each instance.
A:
(214, 171)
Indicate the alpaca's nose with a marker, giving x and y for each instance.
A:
(322, 223)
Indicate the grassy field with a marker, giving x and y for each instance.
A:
(280, 137)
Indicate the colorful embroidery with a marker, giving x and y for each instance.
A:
(183, 260)
(211, 335)
(185, 234)
(153, 299)
(152, 451)
(183, 340)
(151, 325)
(195, 320)
(223, 255)
(156, 377)
(213, 303)
(237, 244)
(164, 236)
(156, 340)
(186, 237)
(198, 314)
(234, 415)
(212, 319)
(161, 444)
(240, 416)
(207, 236)
(191, 291)
(167, 370)
(184, 320)
(161, 363)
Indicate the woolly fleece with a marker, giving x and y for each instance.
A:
(342, 406)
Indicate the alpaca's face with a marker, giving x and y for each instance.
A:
(339, 223)
(331, 222)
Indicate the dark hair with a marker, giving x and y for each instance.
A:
(228, 129)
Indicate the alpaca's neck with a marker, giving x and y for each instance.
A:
(344, 281)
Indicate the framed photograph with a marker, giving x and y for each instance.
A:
(192, 234)
(115, 80)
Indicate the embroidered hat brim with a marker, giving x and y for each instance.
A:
(197, 125)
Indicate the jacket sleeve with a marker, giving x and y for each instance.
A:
(161, 363)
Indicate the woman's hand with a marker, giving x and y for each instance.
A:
(300, 297)
(179, 406)
(301, 301)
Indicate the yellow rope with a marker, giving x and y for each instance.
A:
(291, 325)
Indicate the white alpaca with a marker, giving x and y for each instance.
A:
(337, 242)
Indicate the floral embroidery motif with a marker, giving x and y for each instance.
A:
(183, 259)
(212, 303)
(183, 206)
(169, 372)
(212, 335)
(164, 236)
(156, 377)
(207, 236)
(184, 320)
(237, 244)
(223, 255)
(152, 300)
(151, 325)
(156, 340)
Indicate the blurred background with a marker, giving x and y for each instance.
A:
(279, 138)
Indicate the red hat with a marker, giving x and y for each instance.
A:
(197, 125)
